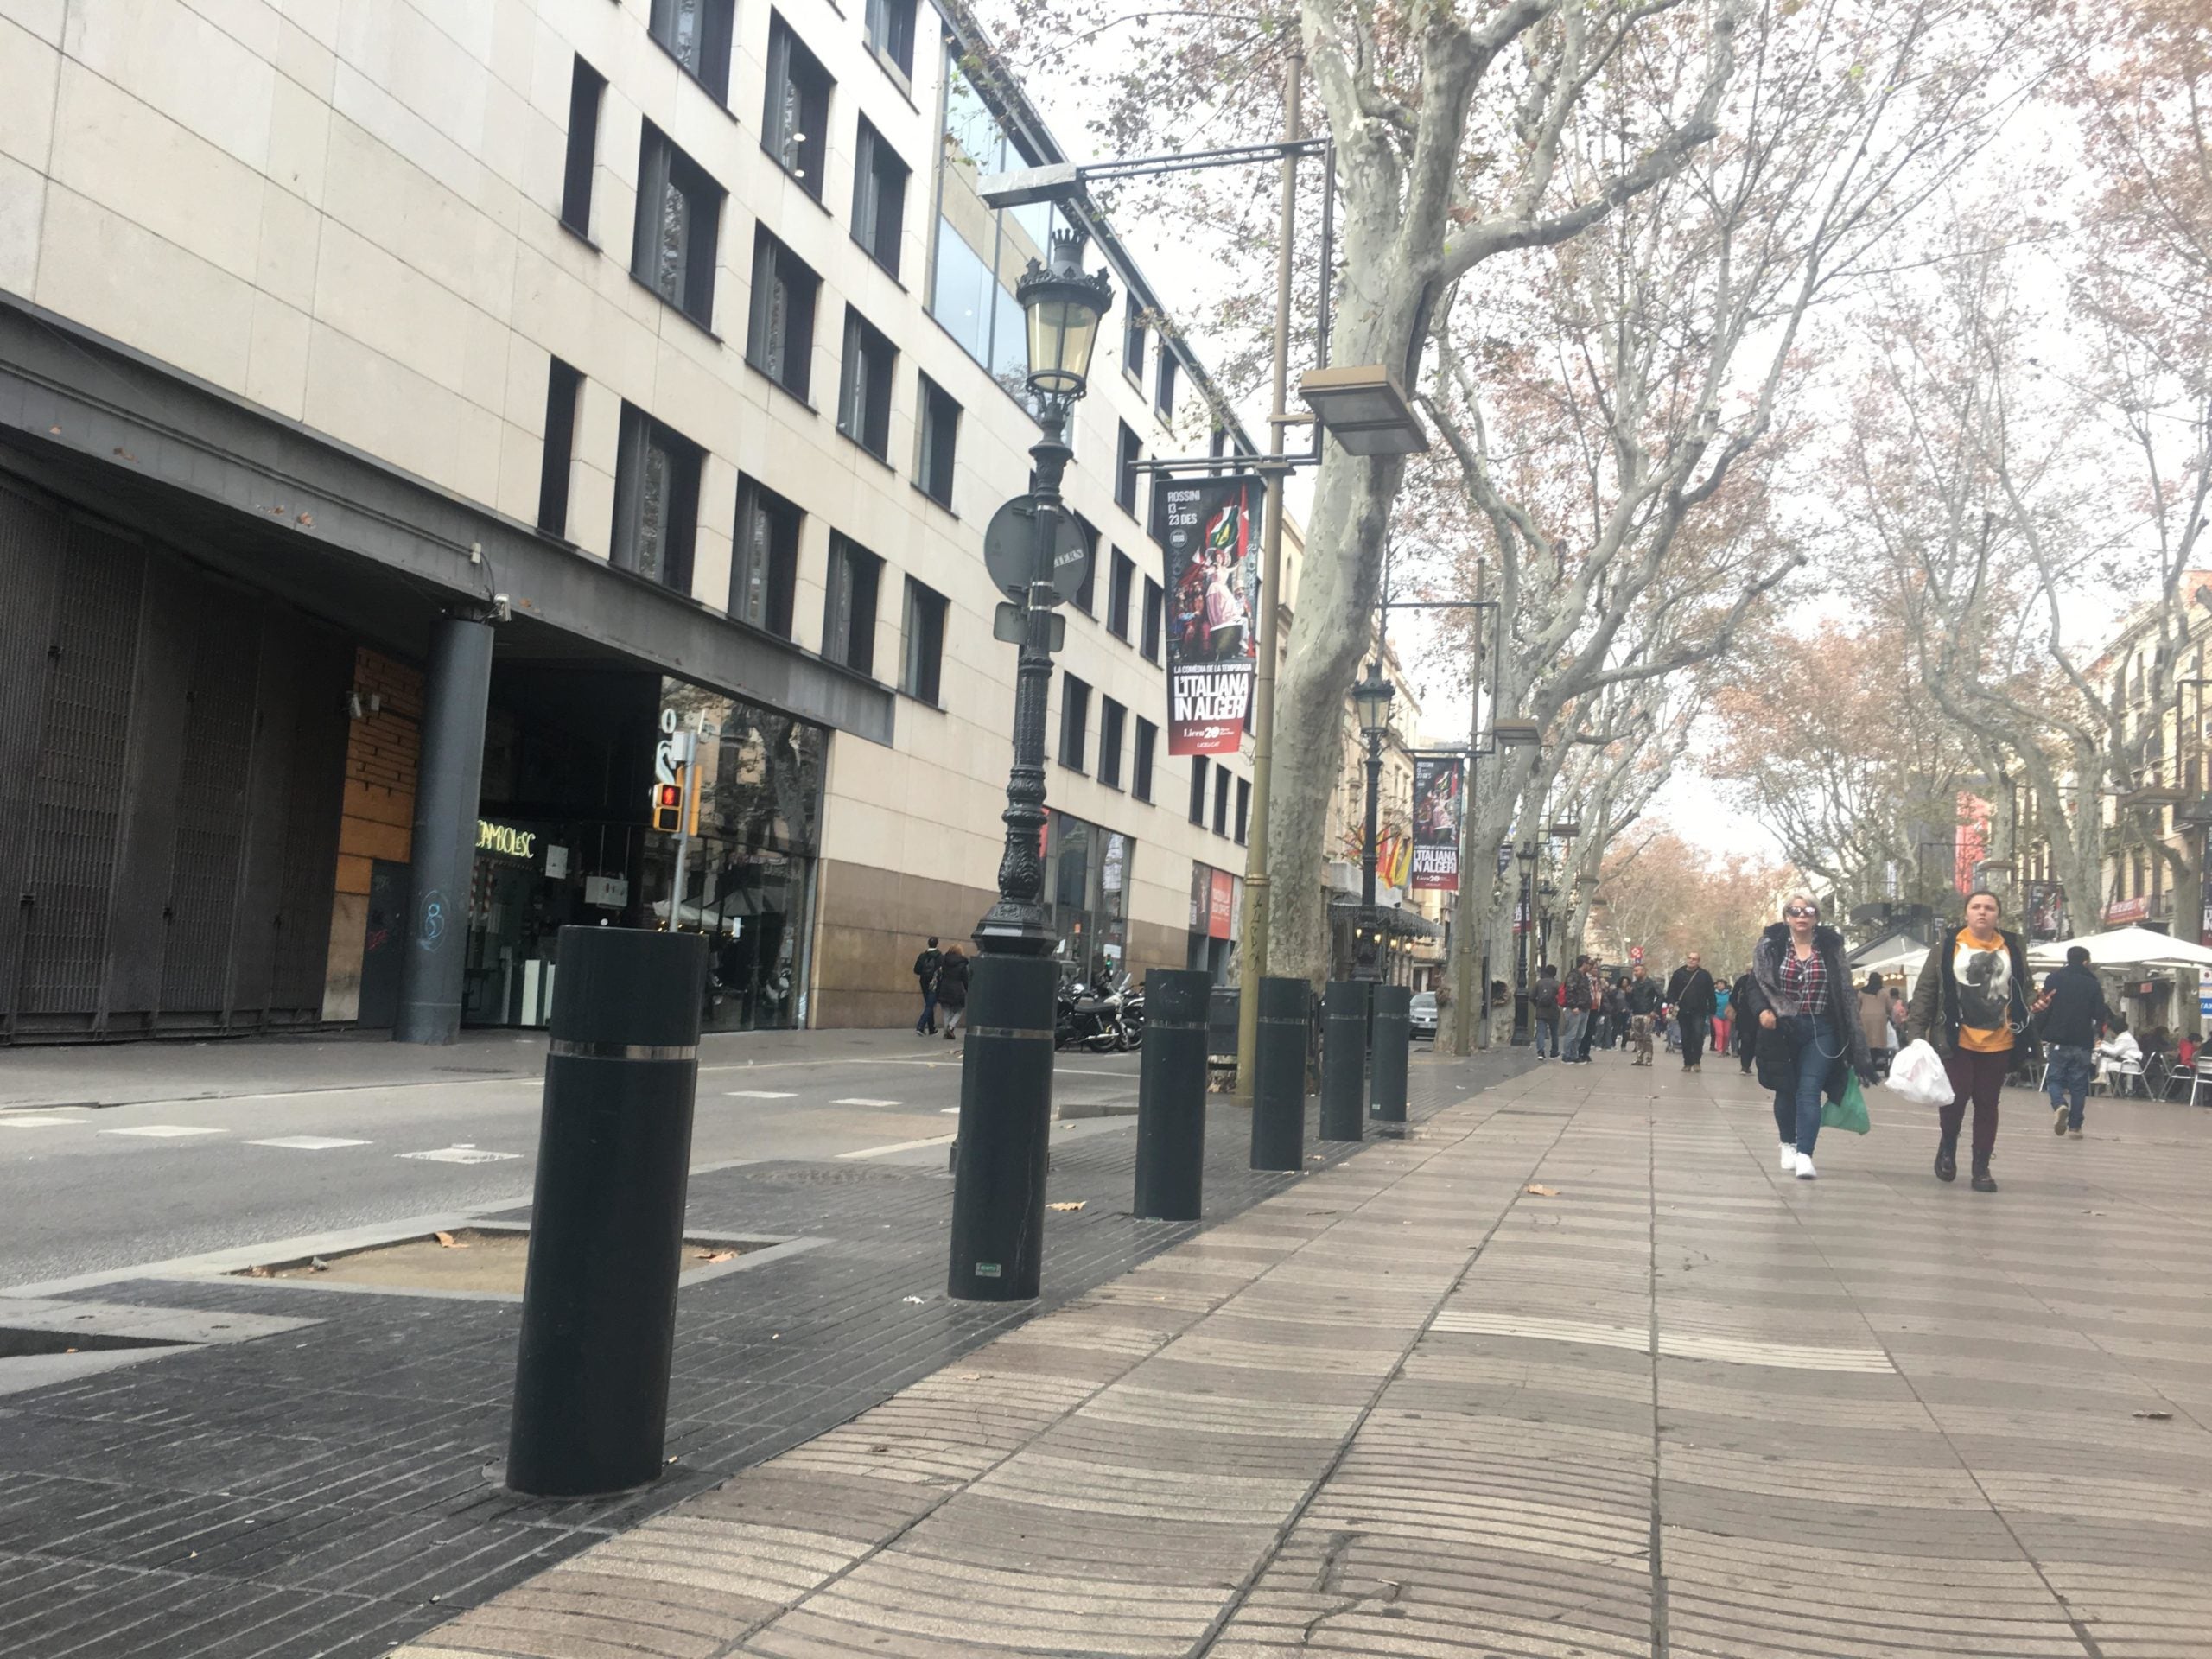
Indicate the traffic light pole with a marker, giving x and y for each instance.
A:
(685, 751)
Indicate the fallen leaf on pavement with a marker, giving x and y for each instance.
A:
(1077, 1203)
(449, 1241)
(2156, 1416)
(716, 1255)
(1541, 1191)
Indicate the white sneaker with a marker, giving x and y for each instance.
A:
(1789, 1159)
(1805, 1170)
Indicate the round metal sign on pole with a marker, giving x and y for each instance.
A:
(1010, 552)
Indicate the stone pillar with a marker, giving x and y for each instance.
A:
(455, 694)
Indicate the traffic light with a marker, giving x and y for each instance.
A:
(668, 804)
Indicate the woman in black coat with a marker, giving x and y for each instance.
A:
(1807, 1011)
(952, 989)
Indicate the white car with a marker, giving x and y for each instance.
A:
(1423, 1014)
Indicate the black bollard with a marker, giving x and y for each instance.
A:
(1344, 1060)
(606, 1220)
(1006, 1121)
(1394, 1041)
(1172, 1095)
(1278, 1075)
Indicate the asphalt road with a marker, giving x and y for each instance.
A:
(208, 1148)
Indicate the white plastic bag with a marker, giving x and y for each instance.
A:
(1917, 1074)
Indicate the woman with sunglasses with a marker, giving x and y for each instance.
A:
(1810, 1039)
(1971, 1006)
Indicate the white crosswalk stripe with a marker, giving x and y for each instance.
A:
(163, 1131)
(307, 1142)
(761, 1094)
(863, 1100)
(37, 1120)
(459, 1155)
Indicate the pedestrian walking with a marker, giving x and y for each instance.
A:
(1574, 1013)
(925, 970)
(1874, 1022)
(952, 989)
(1971, 1006)
(1616, 1012)
(1543, 1013)
(1691, 993)
(1643, 1001)
(2076, 1015)
(1810, 1040)
(1747, 1028)
(1723, 994)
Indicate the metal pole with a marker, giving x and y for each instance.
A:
(457, 694)
(1469, 1033)
(1257, 883)
(1364, 965)
(686, 751)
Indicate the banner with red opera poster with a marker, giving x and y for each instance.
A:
(1211, 527)
(1437, 779)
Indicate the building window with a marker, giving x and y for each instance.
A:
(697, 34)
(1148, 740)
(585, 86)
(763, 559)
(1243, 808)
(1075, 721)
(1133, 342)
(1198, 791)
(938, 442)
(562, 385)
(678, 210)
(890, 25)
(849, 607)
(1125, 472)
(794, 126)
(1221, 779)
(1086, 595)
(921, 673)
(1155, 604)
(655, 500)
(879, 198)
(1112, 717)
(1118, 593)
(864, 388)
(781, 341)
(1163, 396)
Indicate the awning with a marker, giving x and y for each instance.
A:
(2124, 947)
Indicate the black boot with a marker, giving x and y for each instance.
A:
(1983, 1181)
(1946, 1159)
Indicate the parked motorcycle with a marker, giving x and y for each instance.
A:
(1090, 1018)
(1133, 1018)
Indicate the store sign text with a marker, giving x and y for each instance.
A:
(504, 841)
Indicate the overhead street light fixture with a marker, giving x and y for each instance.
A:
(1363, 407)
(1058, 181)
(1510, 733)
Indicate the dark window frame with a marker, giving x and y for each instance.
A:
(1075, 720)
(879, 177)
(1134, 340)
(936, 441)
(775, 264)
(866, 375)
(1121, 587)
(1155, 620)
(1131, 451)
(851, 591)
(921, 654)
(1198, 791)
(1221, 778)
(795, 109)
(639, 432)
(579, 166)
(889, 27)
(1086, 596)
(1163, 396)
(563, 389)
(1144, 749)
(663, 167)
(785, 522)
(1244, 811)
(717, 31)
(1113, 725)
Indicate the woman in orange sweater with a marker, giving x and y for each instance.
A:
(1972, 1006)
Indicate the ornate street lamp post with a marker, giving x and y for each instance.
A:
(1372, 696)
(1006, 1082)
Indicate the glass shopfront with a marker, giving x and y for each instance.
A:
(1217, 921)
(1087, 879)
(749, 874)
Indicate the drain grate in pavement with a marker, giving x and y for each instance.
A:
(24, 1344)
(481, 1259)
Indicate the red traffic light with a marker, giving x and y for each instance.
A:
(668, 795)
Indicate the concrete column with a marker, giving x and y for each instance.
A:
(455, 695)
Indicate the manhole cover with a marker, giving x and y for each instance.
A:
(482, 1259)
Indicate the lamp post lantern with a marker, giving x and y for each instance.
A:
(1005, 1078)
(1372, 696)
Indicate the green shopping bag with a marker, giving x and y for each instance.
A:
(1850, 1112)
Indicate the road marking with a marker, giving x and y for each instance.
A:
(1674, 1345)
(459, 1155)
(949, 1111)
(900, 1146)
(761, 1094)
(307, 1142)
(37, 1120)
(163, 1131)
(863, 1100)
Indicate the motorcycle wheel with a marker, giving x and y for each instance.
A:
(1132, 1038)
(1103, 1042)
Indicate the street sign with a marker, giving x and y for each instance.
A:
(1009, 623)
(1010, 550)
(1636, 953)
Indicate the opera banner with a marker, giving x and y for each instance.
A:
(1211, 527)
(1437, 779)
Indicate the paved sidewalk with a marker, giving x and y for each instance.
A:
(1671, 1403)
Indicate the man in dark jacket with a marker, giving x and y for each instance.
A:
(925, 967)
(1691, 992)
(1746, 1029)
(1574, 1014)
(1543, 1012)
(1643, 999)
(2071, 1025)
